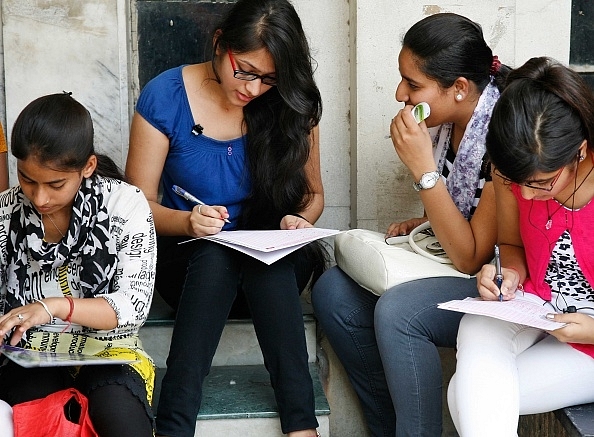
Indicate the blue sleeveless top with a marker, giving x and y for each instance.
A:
(214, 171)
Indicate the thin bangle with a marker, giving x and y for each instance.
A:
(68, 318)
(44, 305)
(301, 217)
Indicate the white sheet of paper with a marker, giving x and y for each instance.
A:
(269, 246)
(265, 257)
(523, 310)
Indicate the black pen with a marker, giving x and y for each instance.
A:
(183, 193)
(498, 275)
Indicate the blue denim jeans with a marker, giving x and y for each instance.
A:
(213, 274)
(388, 346)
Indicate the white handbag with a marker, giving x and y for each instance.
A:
(377, 266)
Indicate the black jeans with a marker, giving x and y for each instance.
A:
(213, 274)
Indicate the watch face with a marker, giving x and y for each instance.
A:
(428, 180)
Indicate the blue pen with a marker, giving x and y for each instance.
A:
(183, 193)
(498, 275)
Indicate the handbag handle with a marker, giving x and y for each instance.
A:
(423, 251)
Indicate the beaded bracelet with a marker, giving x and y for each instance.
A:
(68, 318)
(44, 305)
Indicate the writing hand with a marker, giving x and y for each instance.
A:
(207, 220)
(487, 286)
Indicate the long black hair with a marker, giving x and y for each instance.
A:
(448, 46)
(279, 122)
(57, 129)
(540, 120)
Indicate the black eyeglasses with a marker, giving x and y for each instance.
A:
(244, 75)
(531, 185)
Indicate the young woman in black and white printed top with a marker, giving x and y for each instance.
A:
(77, 266)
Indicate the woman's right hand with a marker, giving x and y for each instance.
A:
(412, 142)
(22, 318)
(207, 220)
(404, 228)
(487, 288)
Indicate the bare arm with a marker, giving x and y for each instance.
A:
(513, 259)
(146, 158)
(96, 313)
(469, 244)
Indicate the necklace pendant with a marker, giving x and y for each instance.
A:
(549, 224)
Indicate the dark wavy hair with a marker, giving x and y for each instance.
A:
(57, 129)
(278, 123)
(448, 46)
(540, 120)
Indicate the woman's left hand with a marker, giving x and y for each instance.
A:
(294, 222)
(22, 318)
(579, 328)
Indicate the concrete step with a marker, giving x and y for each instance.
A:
(238, 401)
(238, 345)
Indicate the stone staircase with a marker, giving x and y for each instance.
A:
(238, 399)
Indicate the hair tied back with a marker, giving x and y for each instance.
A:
(495, 65)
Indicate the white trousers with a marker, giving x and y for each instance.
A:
(6, 427)
(504, 370)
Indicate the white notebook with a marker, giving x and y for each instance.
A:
(33, 358)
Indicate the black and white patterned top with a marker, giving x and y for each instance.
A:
(130, 281)
(564, 275)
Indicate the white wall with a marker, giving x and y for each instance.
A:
(75, 46)
(84, 47)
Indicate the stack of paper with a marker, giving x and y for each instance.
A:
(269, 246)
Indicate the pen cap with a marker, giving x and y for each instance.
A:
(497, 259)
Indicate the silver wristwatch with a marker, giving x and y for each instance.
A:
(428, 180)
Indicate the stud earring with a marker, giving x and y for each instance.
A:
(458, 96)
(582, 157)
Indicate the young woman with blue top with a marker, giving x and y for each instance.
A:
(388, 345)
(239, 133)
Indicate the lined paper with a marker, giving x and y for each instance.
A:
(521, 309)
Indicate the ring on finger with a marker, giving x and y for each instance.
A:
(199, 206)
(20, 317)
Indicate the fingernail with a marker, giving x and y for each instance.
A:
(550, 316)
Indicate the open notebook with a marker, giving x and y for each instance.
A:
(33, 358)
